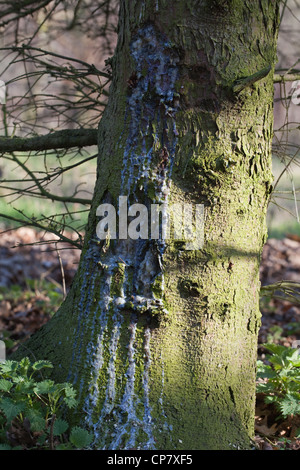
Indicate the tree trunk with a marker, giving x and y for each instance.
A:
(161, 339)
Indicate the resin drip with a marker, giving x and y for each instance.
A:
(117, 289)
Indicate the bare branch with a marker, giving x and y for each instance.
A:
(67, 138)
(21, 9)
(90, 68)
(290, 77)
(35, 223)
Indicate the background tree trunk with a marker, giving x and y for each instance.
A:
(161, 341)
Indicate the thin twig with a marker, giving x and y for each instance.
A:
(62, 273)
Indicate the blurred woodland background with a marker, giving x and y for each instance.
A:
(54, 66)
(283, 214)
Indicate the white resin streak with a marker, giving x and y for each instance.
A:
(145, 120)
(127, 422)
(127, 406)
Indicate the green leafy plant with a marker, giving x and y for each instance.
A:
(279, 380)
(31, 407)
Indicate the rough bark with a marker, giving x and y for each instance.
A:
(160, 340)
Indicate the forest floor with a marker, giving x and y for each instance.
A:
(34, 277)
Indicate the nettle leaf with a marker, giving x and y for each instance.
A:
(36, 419)
(277, 349)
(289, 356)
(38, 365)
(44, 387)
(291, 377)
(42, 438)
(70, 395)
(296, 362)
(294, 356)
(80, 437)
(5, 385)
(279, 362)
(18, 379)
(60, 426)
(290, 404)
(25, 386)
(8, 367)
(282, 356)
(10, 408)
(24, 365)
